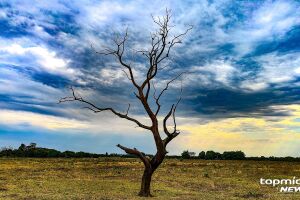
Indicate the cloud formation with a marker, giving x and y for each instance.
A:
(242, 60)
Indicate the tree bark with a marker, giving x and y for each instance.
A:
(148, 172)
(146, 182)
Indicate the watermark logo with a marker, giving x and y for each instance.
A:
(283, 185)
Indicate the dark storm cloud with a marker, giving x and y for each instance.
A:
(235, 34)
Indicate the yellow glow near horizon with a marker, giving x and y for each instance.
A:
(255, 136)
(97, 124)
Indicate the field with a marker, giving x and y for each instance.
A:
(119, 178)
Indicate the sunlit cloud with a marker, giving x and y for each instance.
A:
(255, 136)
(88, 125)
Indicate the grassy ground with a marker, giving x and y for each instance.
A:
(115, 178)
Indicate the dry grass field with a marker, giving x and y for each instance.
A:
(119, 178)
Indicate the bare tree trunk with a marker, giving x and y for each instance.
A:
(146, 182)
(148, 172)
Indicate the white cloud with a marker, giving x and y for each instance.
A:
(17, 85)
(218, 71)
(253, 85)
(31, 18)
(276, 69)
(94, 15)
(38, 120)
(40, 32)
(2, 14)
(24, 92)
(110, 75)
(270, 21)
(37, 57)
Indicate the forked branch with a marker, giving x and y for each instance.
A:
(175, 132)
(172, 112)
(137, 153)
(164, 90)
(96, 109)
(161, 45)
(119, 54)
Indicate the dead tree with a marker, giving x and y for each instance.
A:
(160, 49)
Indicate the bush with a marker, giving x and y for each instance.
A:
(185, 154)
(233, 155)
(211, 155)
(6, 151)
(201, 155)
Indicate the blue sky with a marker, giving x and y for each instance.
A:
(241, 92)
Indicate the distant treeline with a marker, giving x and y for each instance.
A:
(231, 155)
(211, 155)
(38, 152)
(33, 151)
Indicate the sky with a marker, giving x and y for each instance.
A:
(241, 91)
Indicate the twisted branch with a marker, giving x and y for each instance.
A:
(97, 109)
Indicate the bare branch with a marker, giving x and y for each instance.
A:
(162, 68)
(170, 138)
(107, 51)
(164, 90)
(97, 109)
(161, 46)
(176, 40)
(126, 74)
(154, 93)
(118, 53)
(136, 152)
(166, 119)
(175, 132)
(147, 91)
(172, 112)
(128, 109)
